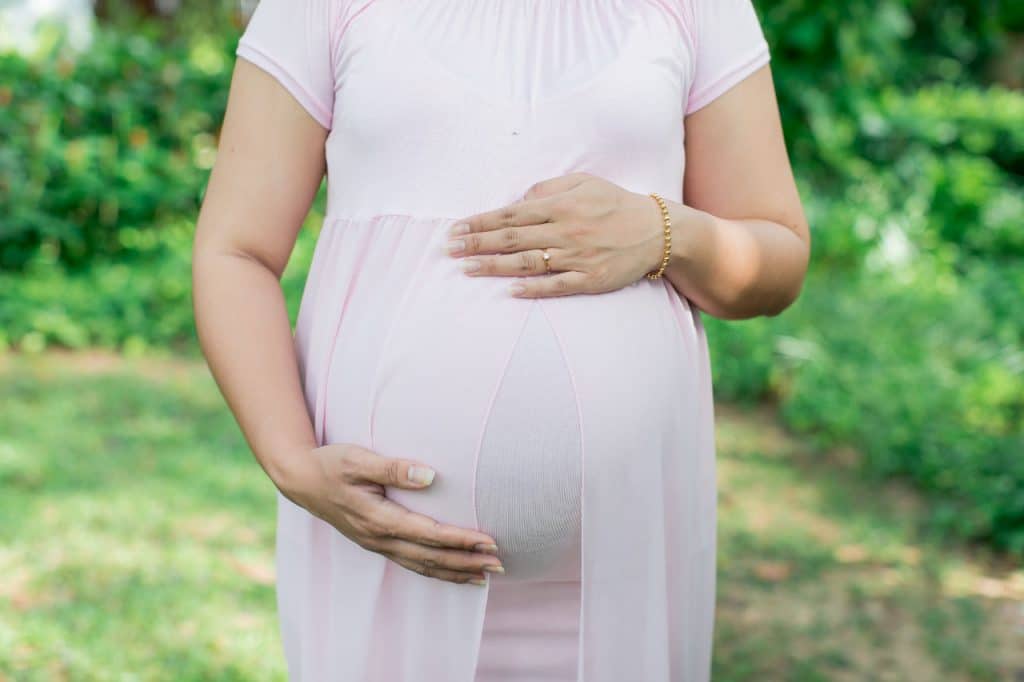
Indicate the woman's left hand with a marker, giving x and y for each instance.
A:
(599, 237)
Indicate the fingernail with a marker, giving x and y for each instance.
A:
(421, 475)
(456, 245)
(458, 228)
(516, 289)
(486, 548)
(494, 569)
(469, 265)
(478, 581)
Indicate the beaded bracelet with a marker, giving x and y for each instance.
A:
(668, 235)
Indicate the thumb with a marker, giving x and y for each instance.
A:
(395, 472)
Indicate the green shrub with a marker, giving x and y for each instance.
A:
(104, 149)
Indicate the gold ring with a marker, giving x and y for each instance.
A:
(547, 258)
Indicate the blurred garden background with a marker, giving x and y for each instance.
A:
(871, 438)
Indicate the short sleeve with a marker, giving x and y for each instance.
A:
(729, 45)
(292, 41)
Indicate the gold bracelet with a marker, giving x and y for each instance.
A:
(668, 235)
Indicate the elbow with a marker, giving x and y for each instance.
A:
(787, 299)
(788, 296)
(783, 303)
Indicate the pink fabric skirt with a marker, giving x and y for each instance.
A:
(609, 556)
(531, 632)
(527, 496)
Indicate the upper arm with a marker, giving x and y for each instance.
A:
(737, 165)
(270, 158)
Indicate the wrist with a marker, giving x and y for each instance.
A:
(689, 228)
(655, 241)
(295, 472)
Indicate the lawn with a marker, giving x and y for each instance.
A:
(136, 543)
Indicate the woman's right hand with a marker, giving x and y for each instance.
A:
(346, 489)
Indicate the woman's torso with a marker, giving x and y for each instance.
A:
(451, 107)
(446, 109)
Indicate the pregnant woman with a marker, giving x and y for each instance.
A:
(477, 482)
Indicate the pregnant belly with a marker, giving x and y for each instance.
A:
(428, 363)
(528, 483)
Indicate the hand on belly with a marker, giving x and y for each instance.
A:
(346, 489)
(580, 233)
(483, 386)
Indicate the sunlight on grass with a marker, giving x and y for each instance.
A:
(824, 576)
(137, 532)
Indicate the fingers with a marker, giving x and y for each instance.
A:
(430, 548)
(520, 264)
(507, 240)
(366, 465)
(446, 559)
(410, 526)
(523, 212)
(425, 545)
(441, 573)
(388, 518)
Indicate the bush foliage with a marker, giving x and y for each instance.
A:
(908, 147)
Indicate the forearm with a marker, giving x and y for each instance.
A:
(245, 335)
(734, 269)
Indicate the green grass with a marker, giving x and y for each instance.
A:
(136, 531)
(823, 575)
(136, 543)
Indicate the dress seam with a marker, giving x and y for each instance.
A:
(476, 462)
(583, 479)
(490, 407)
(352, 217)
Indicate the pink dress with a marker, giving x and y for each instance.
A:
(577, 430)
